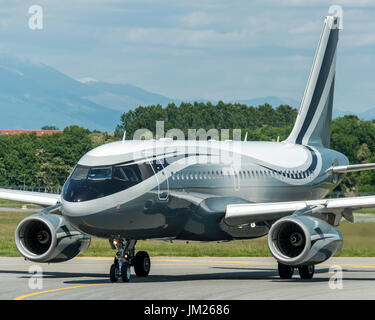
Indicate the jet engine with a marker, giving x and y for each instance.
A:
(303, 240)
(49, 238)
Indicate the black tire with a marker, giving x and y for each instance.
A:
(285, 271)
(125, 273)
(306, 272)
(142, 264)
(113, 273)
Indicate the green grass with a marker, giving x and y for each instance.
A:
(15, 204)
(368, 210)
(359, 240)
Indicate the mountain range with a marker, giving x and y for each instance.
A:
(33, 95)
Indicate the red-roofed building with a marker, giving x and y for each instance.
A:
(39, 133)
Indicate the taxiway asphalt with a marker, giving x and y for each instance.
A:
(185, 278)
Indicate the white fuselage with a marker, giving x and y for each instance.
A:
(188, 172)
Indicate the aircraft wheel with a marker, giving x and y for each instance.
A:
(285, 271)
(142, 264)
(306, 272)
(125, 273)
(114, 273)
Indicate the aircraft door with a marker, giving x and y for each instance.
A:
(161, 178)
(234, 176)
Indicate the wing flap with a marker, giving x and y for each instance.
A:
(39, 198)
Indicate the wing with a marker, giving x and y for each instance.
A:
(237, 214)
(39, 198)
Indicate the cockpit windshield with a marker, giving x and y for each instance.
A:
(87, 183)
(80, 173)
(100, 173)
(126, 174)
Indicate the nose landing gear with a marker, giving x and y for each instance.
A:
(125, 258)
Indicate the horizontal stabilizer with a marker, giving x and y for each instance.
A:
(353, 168)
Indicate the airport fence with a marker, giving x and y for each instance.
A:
(43, 189)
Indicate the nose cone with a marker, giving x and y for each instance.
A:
(79, 209)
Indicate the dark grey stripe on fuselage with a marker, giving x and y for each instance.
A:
(311, 168)
(321, 82)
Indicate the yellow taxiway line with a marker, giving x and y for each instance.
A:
(58, 289)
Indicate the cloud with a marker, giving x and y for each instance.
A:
(223, 49)
(186, 37)
(196, 19)
(306, 27)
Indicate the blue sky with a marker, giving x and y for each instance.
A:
(212, 49)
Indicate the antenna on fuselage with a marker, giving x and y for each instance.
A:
(124, 136)
(245, 139)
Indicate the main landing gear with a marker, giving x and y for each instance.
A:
(305, 271)
(125, 258)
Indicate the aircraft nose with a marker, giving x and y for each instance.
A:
(80, 191)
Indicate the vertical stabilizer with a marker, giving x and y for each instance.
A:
(313, 123)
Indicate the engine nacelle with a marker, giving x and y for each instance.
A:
(301, 240)
(49, 238)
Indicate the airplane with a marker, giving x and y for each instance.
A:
(133, 190)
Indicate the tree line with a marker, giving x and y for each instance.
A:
(349, 135)
(26, 159)
(48, 160)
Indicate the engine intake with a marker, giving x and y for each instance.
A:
(49, 238)
(299, 240)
